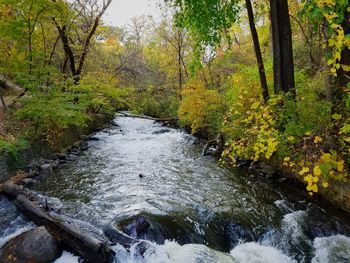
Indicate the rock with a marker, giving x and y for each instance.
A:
(61, 156)
(60, 162)
(72, 157)
(36, 245)
(252, 166)
(75, 151)
(28, 181)
(161, 131)
(136, 226)
(84, 137)
(33, 173)
(55, 164)
(282, 180)
(33, 165)
(93, 138)
(268, 170)
(46, 169)
(84, 145)
(44, 161)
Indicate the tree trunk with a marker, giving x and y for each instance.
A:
(262, 75)
(179, 50)
(283, 63)
(343, 76)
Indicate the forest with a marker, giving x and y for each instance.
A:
(259, 81)
(276, 88)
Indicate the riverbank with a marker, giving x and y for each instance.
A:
(71, 141)
(280, 169)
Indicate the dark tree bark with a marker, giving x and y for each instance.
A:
(76, 70)
(258, 54)
(343, 76)
(179, 67)
(283, 63)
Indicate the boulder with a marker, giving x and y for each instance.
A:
(35, 246)
(135, 226)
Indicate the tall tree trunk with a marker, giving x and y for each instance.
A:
(343, 76)
(77, 69)
(262, 75)
(30, 49)
(283, 63)
(180, 69)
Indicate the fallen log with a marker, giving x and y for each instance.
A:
(79, 242)
(84, 245)
(125, 114)
(7, 84)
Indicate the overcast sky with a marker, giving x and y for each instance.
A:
(120, 12)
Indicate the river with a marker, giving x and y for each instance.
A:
(198, 211)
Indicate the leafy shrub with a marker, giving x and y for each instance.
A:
(201, 108)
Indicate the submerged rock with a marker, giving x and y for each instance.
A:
(135, 226)
(36, 246)
(161, 131)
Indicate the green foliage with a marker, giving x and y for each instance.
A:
(69, 105)
(206, 20)
(334, 13)
(12, 147)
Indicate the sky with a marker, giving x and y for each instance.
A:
(120, 12)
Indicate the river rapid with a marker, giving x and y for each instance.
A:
(197, 210)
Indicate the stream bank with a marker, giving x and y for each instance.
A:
(39, 153)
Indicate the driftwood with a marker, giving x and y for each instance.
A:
(164, 120)
(7, 84)
(81, 243)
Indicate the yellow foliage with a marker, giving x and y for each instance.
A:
(199, 106)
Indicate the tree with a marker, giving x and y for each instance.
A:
(91, 14)
(209, 20)
(262, 75)
(177, 39)
(283, 62)
(334, 16)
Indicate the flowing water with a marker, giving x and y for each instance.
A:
(198, 211)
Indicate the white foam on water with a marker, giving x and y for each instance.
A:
(172, 252)
(67, 257)
(255, 253)
(332, 249)
(292, 226)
